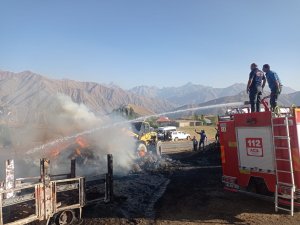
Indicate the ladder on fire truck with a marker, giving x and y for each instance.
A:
(285, 189)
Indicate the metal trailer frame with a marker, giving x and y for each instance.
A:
(105, 179)
(20, 199)
(44, 191)
(44, 194)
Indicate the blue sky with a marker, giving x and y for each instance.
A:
(161, 43)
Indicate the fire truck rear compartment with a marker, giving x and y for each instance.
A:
(260, 153)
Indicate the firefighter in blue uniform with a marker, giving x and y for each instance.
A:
(274, 85)
(254, 87)
(203, 137)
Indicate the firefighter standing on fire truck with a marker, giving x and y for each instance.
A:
(274, 84)
(254, 87)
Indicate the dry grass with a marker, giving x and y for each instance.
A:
(209, 130)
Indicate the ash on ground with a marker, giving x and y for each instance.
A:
(137, 193)
(183, 188)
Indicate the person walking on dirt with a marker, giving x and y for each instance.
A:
(203, 137)
(195, 143)
(254, 87)
(274, 85)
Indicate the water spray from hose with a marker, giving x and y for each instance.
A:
(90, 131)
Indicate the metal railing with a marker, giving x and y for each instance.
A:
(42, 198)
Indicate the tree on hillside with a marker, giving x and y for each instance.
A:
(196, 117)
(202, 117)
(152, 122)
(126, 112)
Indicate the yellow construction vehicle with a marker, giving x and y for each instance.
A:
(146, 138)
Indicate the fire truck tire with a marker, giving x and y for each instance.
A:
(262, 189)
(65, 217)
(257, 185)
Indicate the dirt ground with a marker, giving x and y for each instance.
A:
(186, 189)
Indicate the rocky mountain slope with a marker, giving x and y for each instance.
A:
(284, 100)
(28, 95)
(193, 93)
(295, 98)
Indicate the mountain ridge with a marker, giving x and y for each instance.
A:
(285, 100)
(27, 92)
(190, 93)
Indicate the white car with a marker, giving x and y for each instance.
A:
(163, 131)
(179, 135)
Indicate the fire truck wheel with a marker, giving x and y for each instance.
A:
(262, 189)
(257, 185)
(65, 217)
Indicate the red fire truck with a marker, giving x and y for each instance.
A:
(260, 154)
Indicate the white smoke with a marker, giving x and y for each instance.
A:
(65, 120)
(111, 140)
(68, 113)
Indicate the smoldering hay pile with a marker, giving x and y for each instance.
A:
(73, 131)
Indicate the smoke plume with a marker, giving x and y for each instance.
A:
(63, 136)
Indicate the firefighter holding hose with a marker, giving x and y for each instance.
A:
(203, 138)
(274, 85)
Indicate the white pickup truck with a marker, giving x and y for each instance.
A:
(179, 135)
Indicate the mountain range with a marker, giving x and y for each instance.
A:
(27, 94)
(30, 96)
(193, 93)
(284, 100)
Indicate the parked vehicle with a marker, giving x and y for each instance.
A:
(179, 135)
(260, 154)
(146, 138)
(162, 132)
